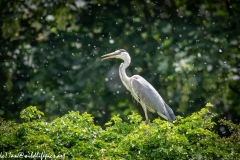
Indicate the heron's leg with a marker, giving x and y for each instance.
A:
(145, 112)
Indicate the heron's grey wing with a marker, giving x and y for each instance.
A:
(146, 93)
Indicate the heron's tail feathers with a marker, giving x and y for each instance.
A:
(170, 113)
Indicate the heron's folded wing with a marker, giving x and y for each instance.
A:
(148, 95)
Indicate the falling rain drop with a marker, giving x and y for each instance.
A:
(111, 41)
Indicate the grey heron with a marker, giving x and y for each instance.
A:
(141, 90)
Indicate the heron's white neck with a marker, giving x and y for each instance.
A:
(122, 73)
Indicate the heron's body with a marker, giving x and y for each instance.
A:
(141, 90)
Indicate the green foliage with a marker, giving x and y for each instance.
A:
(75, 136)
(31, 112)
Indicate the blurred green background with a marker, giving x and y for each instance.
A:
(50, 56)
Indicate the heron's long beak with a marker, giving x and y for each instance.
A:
(109, 55)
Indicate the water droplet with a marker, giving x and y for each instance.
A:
(111, 41)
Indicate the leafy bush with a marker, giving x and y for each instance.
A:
(76, 136)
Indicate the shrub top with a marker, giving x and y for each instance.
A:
(76, 136)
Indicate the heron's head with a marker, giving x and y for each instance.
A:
(121, 53)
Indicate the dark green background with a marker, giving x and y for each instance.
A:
(50, 55)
